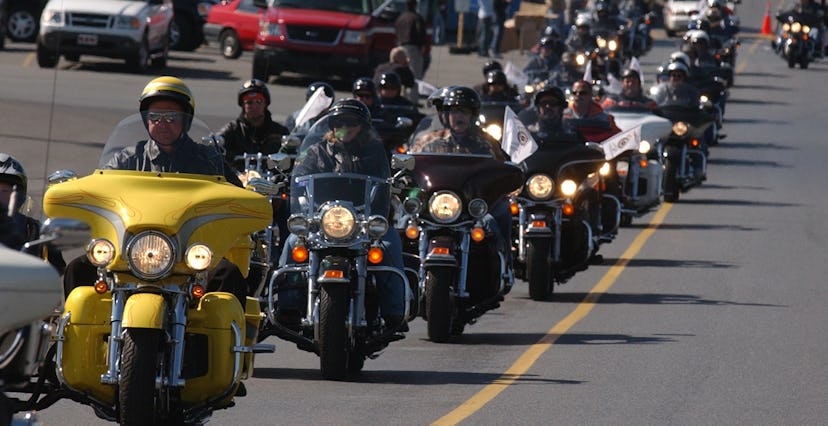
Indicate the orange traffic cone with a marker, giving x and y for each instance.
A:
(766, 22)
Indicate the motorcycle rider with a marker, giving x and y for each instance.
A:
(17, 228)
(365, 89)
(583, 107)
(547, 61)
(697, 47)
(167, 106)
(497, 88)
(676, 91)
(582, 39)
(604, 20)
(810, 13)
(254, 130)
(290, 123)
(390, 91)
(350, 146)
(631, 95)
(549, 125)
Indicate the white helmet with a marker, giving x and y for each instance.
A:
(679, 56)
(694, 36)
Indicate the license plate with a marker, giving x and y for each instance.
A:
(87, 39)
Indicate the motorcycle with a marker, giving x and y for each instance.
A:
(684, 151)
(640, 173)
(462, 271)
(795, 41)
(30, 297)
(339, 219)
(147, 343)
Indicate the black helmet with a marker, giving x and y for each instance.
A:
(630, 73)
(491, 65)
(496, 77)
(390, 80)
(352, 108)
(550, 31)
(678, 66)
(254, 86)
(464, 97)
(11, 171)
(364, 84)
(435, 99)
(547, 41)
(548, 90)
(329, 90)
(602, 7)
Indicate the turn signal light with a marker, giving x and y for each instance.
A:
(477, 234)
(694, 143)
(412, 232)
(568, 209)
(197, 292)
(101, 287)
(284, 196)
(333, 273)
(805, 37)
(514, 208)
(400, 149)
(440, 250)
(375, 255)
(643, 164)
(300, 254)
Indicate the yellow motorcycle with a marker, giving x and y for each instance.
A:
(147, 343)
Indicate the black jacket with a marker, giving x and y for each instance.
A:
(241, 137)
(365, 155)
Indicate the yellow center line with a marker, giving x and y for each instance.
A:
(531, 355)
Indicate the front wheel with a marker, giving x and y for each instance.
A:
(438, 307)
(45, 57)
(537, 268)
(136, 390)
(671, 186)
(333, 335)
(139, 61)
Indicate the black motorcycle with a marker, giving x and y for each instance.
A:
(796, 40)
(685, 156)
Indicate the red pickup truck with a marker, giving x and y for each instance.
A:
(348, 38)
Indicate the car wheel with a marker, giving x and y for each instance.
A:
(229, 44)
(139, 61)
(46, 58)
(22, 25)
(181, 31)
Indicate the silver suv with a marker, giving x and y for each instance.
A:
(135, 30)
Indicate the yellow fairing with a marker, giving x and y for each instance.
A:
(190, 208)
(144, 310)
(86, 342)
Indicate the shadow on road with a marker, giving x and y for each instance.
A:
(749, 163)
(653, 299)
(754, 146)
(730, 121)
(671, 263)
(609, 339)
(715, 202)
(755, 102)
(59, 141)
(121, 68)
(408, 377)
(719, 186)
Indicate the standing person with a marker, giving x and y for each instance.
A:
(399, 64)
(254, 130)
(501, 12)
(411, 36)
(439, 23)
(485, 14)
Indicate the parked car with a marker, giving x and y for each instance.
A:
(348, 38)
(22, 19)
(234, 24)
(135, 30)
(2, 23)
(679, 13)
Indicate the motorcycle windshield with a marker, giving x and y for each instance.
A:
(368, 195)
(132, 130)
(494, 111)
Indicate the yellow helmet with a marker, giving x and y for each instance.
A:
(170, 88)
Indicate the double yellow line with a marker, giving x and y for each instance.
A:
(531, 355)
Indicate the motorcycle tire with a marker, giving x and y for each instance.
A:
(791, 61)
(537, 268)
(803, 62)
(139, 367)
(671, 186)
(333, 335)
(438, 306)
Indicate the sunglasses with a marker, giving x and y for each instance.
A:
(549, 104)
(253, 102)
(362, 95)
(581, 93)
(168, 117)
(339, 122)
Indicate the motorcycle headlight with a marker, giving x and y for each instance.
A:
(680, 128)
(338, 222)
(529, 89)
(806, 29)
(796, 27)
(644, 147)
(298, 225)
(786, 27)
(412, 205)
(100, 252)
(478, 208)
(445, 206)
(601, 42)
(568, 187)
(494, 130)
(540, 186)
(703, 99)
(198, 257)
(150, 255)
(377, 226)
(605, 169)
(613, 45)
(580, 59)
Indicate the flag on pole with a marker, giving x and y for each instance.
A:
(517, 141)
(515, 75)
(315, 105)
(636, 66)
(425, 89)
(588, 72)
(624, 141)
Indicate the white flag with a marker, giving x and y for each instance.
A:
(315, 105)
(424, 88)
(588, 72)
(517, 141)
(515, 75)
(636, 66)
(614, 85)
(624, 141)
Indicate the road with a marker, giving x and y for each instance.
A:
(708, 311)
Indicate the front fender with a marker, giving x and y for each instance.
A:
(144, 310)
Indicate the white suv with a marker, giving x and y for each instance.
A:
(135, 30)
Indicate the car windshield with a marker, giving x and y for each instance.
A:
(345, 6)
